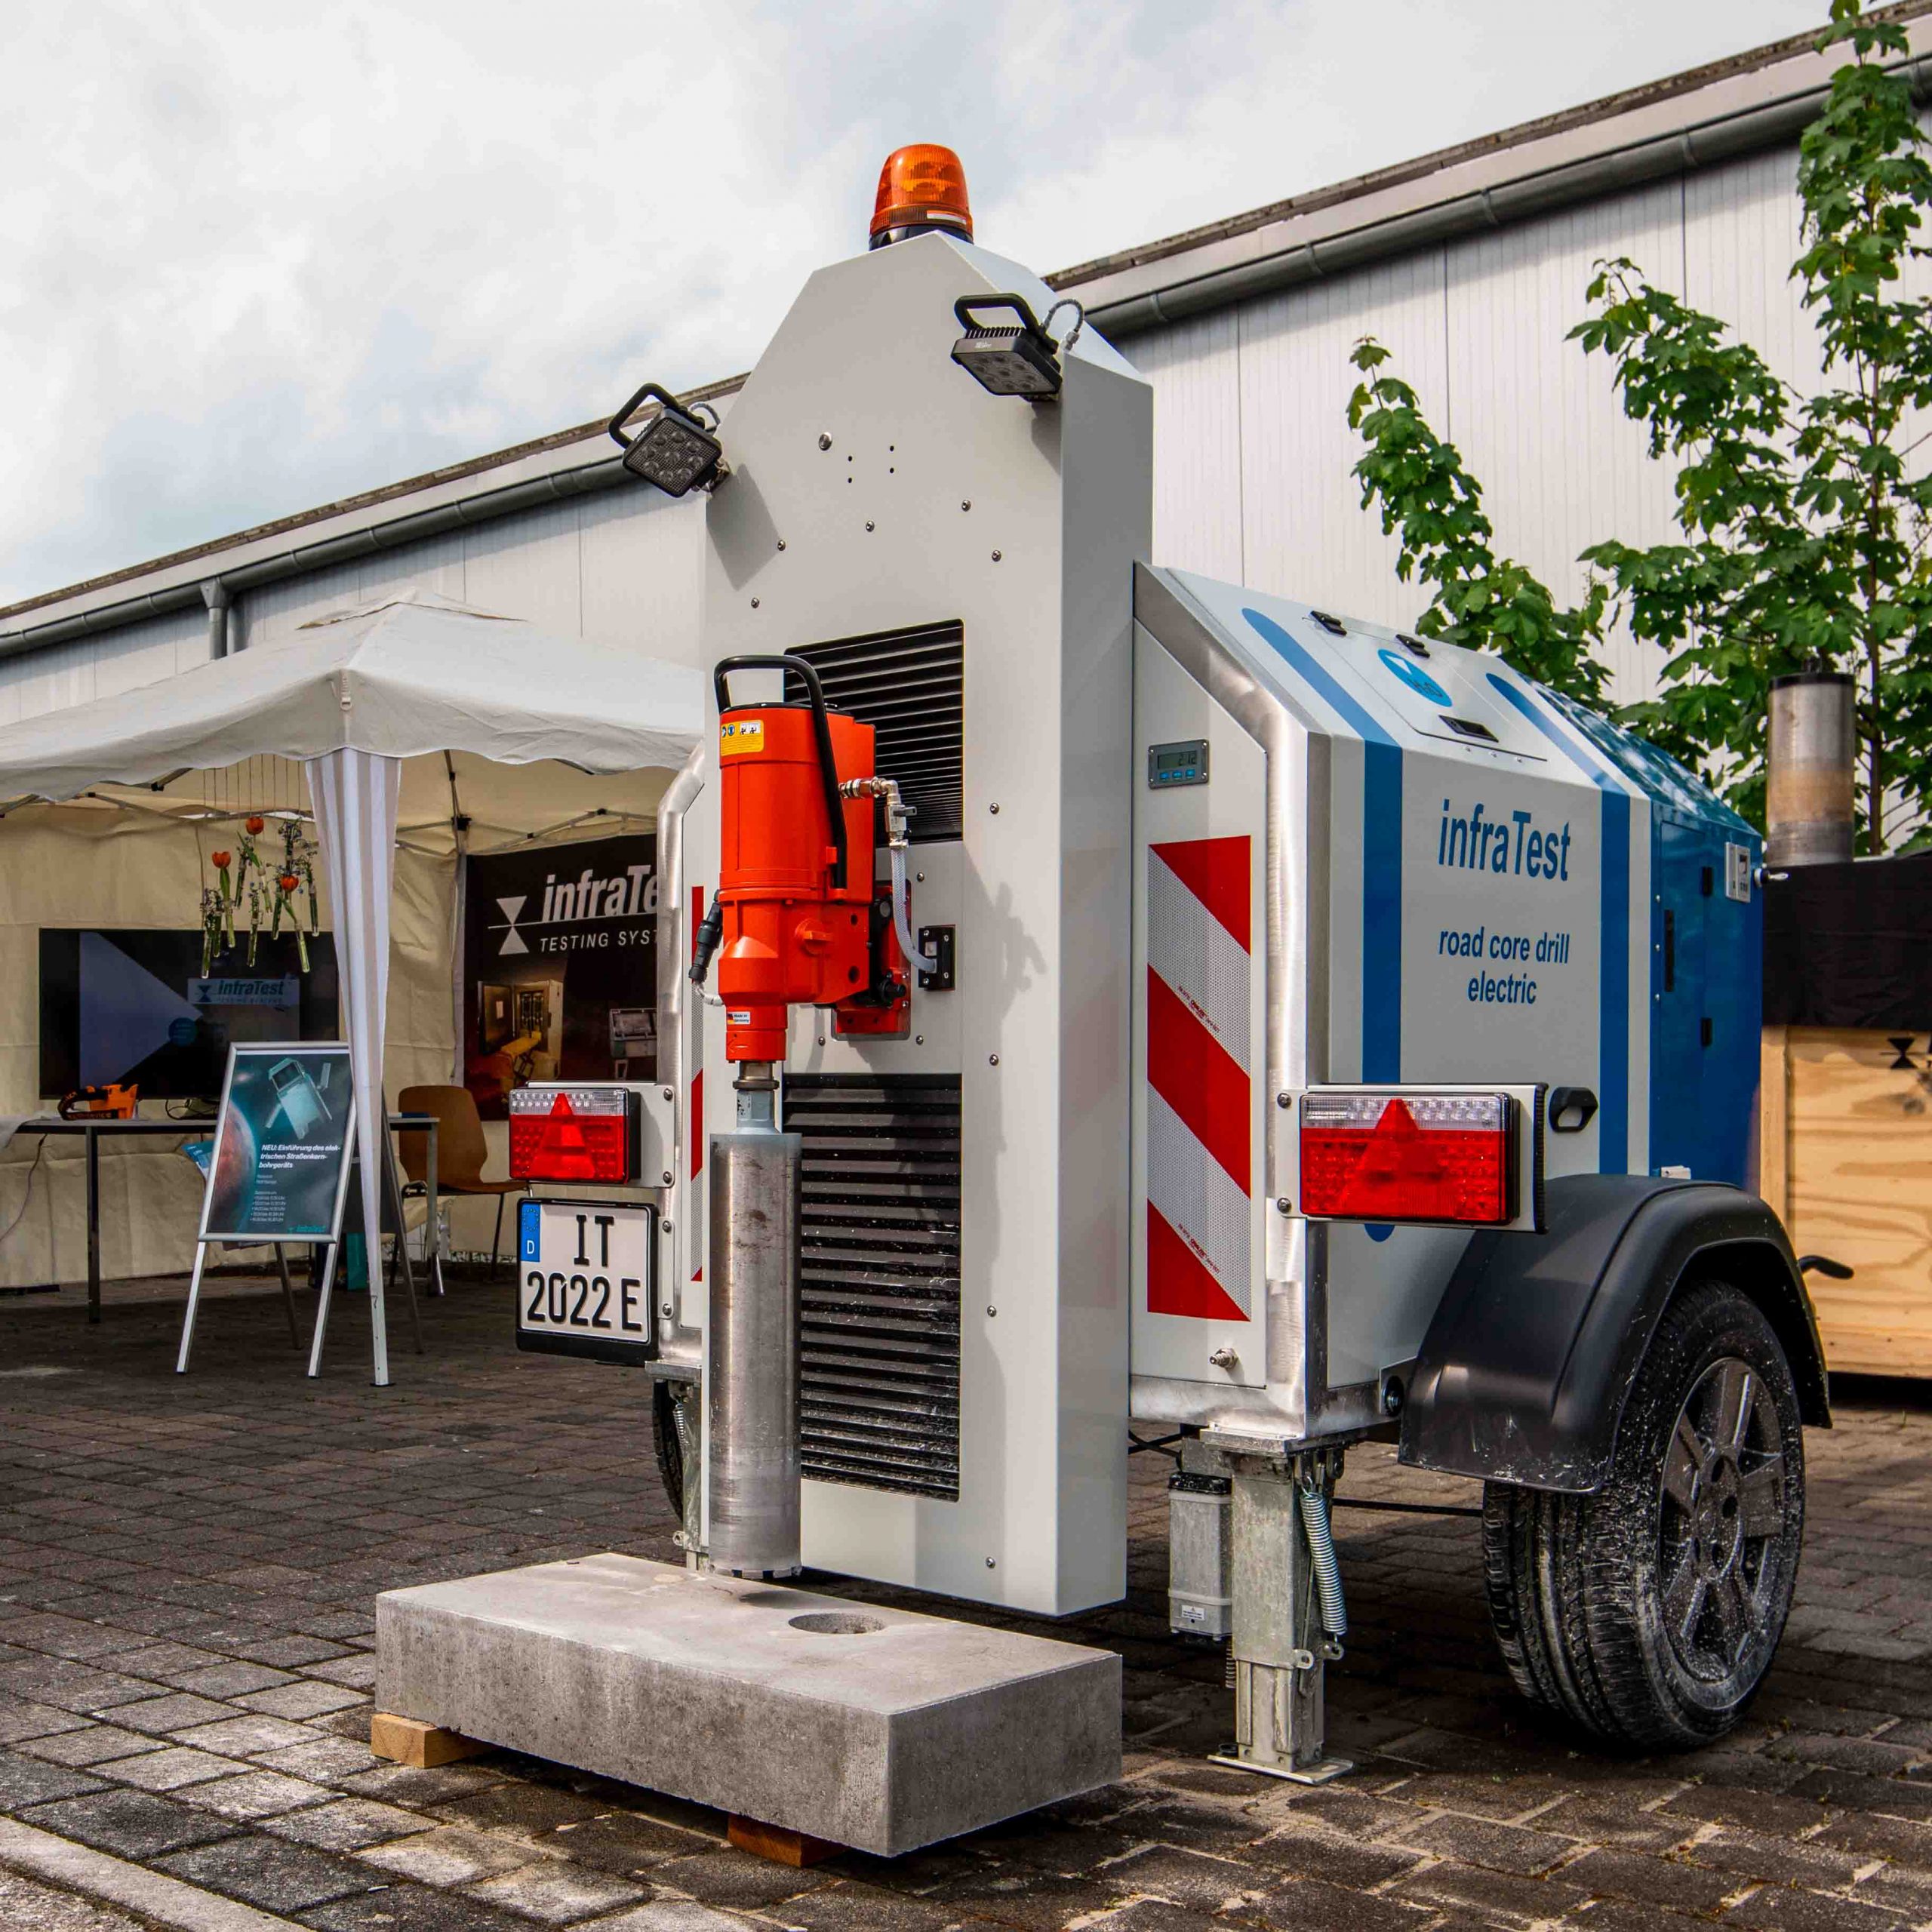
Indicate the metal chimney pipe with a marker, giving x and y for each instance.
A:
(1813, 754)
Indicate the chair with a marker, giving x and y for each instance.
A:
(461, 1150)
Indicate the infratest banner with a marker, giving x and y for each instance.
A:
(560, 966)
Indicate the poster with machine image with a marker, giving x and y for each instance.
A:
(560, 966)
(280, 1166)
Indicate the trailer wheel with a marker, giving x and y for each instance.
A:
(1649, 1612)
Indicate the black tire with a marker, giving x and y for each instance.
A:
(670, 1450)
(1648, 1613)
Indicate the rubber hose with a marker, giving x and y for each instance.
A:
(1328, 1570)
(902, 922)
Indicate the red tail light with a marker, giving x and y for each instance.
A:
(573, 1133)
(1414, 1157)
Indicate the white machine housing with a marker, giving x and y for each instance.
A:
(1405, 870)
(878, 494)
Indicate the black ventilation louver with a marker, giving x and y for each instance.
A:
(909, 686)
(879, 1376)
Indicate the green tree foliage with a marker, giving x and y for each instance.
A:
(1430, 502)
(1802, 530)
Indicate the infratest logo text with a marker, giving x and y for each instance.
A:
(1484, 841)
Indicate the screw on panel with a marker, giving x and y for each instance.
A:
(991, 1564)
(781, 543)
(995, 556)
(966, 503)
(869, 523)
(918, 1039)
(919, 879)
(669, 1093)
(1281, 1203)
(991, 1309)
(994, 810)
(753, 603)
(825, 440)
(667, 1177)
(992, 1059)
(1281, 1100)
(666, 1226)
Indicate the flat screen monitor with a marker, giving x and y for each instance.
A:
(135, 1006)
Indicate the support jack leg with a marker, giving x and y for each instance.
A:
(1280, 1646)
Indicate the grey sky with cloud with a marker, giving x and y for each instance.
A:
(256, 257)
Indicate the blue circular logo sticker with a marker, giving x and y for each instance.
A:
(181, 1032)
(1413, 675)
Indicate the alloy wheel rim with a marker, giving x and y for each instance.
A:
(1721, 1531)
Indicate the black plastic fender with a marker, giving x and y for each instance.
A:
(1538, 1338)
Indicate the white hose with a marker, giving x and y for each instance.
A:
(896, 816)
(902, 913)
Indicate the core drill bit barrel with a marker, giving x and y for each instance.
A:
(752, 1352)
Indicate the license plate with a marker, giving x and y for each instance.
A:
(585, 1279)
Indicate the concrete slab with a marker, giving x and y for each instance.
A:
(880, 1729)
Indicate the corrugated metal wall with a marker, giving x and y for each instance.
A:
(1253, 450)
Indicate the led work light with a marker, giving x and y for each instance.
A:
(1017, 358)
(673, 449)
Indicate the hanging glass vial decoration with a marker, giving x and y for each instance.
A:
(224, 888)
(298, 864)
(213, 912)
(249, 873)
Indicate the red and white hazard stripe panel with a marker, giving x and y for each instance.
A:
(1200, 1085)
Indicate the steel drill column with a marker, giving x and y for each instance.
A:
(752, 1345)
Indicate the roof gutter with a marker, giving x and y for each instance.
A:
(217, 592)
(1680, 153)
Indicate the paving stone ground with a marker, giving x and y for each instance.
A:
(188, 1568)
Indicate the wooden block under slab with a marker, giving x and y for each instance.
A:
(421, 1746)
(779, 1843)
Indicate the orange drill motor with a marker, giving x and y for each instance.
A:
(794, 910)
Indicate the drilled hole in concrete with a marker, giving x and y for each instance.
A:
(836, 1623)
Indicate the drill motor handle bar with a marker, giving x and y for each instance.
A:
(828, 765)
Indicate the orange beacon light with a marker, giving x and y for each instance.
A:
(921, 187)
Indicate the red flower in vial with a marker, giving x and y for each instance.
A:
(254, 823)
(222, 860)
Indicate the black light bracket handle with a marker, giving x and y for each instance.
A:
(656, 392)
(650, 392)
(828, 765)
(1571, 1109)
(1017, 304)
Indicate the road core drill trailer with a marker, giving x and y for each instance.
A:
(1098, 1002)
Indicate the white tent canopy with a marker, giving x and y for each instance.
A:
(352, 695)
(414, 674)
